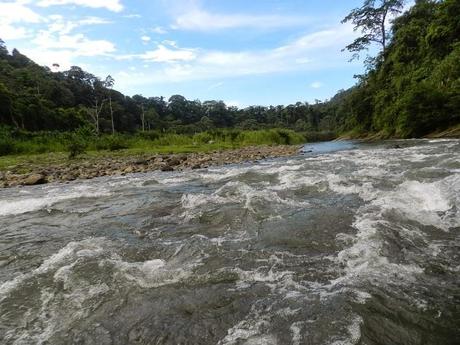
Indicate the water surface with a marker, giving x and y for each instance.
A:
(347, 244)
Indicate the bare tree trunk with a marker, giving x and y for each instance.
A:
(143, 119)
(384, 34)
(111, 114)
(97, 112)
(13, 120)
(96, 118)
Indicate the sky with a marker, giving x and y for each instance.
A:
(244, 52)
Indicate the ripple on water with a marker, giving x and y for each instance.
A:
(343, 247)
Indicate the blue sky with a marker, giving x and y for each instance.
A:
(244, 52)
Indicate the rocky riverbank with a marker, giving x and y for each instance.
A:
(449, 133)
(108, 166)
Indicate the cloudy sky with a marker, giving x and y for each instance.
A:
(240, 51)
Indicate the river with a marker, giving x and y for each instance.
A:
(347, 243)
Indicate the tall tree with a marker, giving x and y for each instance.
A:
(108, 84)
(97, 100)
(372, 20)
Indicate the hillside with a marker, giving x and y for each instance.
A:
(414, 88)
(411, 90)
(34, 98)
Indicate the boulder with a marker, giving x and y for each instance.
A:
(34, 179)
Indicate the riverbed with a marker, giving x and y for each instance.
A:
(344, 243)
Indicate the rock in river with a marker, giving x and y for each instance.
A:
(34, 179)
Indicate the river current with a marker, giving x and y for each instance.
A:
(347, 244)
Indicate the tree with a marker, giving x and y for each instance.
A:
(3, 49)
(150, 118)
(372, 19)
(97, 100)
(6, 113)
(108, 84)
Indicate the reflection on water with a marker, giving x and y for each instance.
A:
(346, 244)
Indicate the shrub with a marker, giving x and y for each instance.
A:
(150, 135)
(7, 146)
(203, 138)
(312, 136)
(76, 146)
(112, 143)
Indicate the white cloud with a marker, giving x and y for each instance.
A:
(134, 15)
(78, 43)
(312, 51)
(201, 20)
(316, 85)
(11, 32)
(61, 26)
(14, 12)
(165, 54)
(56, 42)
(111, 5)
(159, 30)
(145, 39)
(93, 21)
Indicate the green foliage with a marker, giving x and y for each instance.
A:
(415, 90)
(319, 136)
(47, 101)
(270, 137)
(112, 142)
(371, 21)
(76, 146)
(410, 89)
(150, 135)
(7, 145)
(83, 140)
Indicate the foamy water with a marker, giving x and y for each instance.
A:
(349, 244)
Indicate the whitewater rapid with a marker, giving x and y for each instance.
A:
(351, 243)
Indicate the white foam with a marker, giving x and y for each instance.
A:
(15, 206)
(64, 257)
(233, 192)
(238, 192)
(249, 332)
(296, 330)
(148, 274)
(354, 332)
(426, 203)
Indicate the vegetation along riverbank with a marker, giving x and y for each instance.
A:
(410, 89)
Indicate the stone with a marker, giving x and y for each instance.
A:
(173, 162)
(167, 168)
(34, 179)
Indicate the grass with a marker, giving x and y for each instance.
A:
(29, 152)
